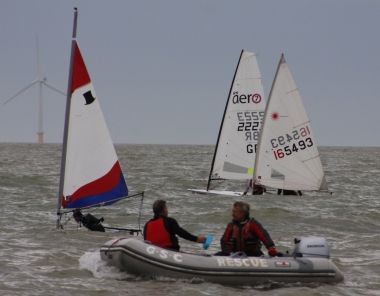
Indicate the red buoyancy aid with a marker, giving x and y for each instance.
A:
(244, 240)
(157, 234)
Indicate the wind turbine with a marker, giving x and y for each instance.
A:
(42, 81)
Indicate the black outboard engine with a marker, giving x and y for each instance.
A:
(312, 246)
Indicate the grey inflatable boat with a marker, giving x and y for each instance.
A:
(309, 262)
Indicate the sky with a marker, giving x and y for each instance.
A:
(162, 70)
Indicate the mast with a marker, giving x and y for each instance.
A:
(40, 132)
(67, 117)
(282, 60)
(221, 126)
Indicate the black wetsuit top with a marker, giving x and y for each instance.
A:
(92, 223)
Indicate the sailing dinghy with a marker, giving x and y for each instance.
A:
(287, 156)
(235, 150)
(91, 174)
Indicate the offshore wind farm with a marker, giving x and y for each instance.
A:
(42, 82)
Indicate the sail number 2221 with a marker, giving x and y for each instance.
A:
(250, 123)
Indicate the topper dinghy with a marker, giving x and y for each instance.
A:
(235, 150)
(310, 262)
(91, 174)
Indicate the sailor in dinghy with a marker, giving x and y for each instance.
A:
(235, 148)
(287, 156)
(256, 188)
(91, 174)
(89, 221)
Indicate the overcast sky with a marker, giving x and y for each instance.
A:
(162, 70)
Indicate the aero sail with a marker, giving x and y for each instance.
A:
(235, 150)
(287, 155)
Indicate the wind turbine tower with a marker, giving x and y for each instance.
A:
(42, 81)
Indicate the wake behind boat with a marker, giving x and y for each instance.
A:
(235, 150)
(309, 262)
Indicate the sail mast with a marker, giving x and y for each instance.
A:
(221, 125)
(67, 116)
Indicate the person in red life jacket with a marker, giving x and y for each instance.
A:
(162, 230)
(245, 234)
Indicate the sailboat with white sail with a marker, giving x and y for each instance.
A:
(235, 150)
(91, 174)
(287, 156)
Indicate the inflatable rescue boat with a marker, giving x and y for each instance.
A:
(309, 262)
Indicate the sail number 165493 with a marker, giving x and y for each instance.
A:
(288, 150)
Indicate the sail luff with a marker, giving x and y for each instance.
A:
(221, 125)
(67, 116)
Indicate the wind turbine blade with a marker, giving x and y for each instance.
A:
(53, 88)
(38, 60)
(23, 89)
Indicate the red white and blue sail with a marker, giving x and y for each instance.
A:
(92, 171)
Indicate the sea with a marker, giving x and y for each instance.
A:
(38, 259)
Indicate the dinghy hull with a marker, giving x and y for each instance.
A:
(143, 259)
(198, 192)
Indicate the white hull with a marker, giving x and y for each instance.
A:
(198, 192)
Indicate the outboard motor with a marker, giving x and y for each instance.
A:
(312, 246)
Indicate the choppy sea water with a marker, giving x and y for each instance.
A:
(37, 259)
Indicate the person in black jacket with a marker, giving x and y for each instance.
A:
(89, 221)
(245, 234)
(162, 230)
